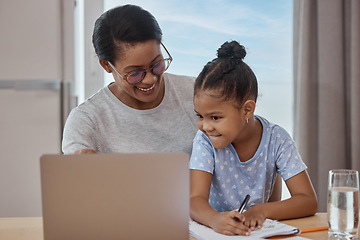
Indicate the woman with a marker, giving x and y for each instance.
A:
(144, 109)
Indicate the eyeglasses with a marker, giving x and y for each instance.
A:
(157, 69)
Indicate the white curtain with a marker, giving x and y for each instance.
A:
(327, 87)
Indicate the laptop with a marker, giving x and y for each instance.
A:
(115, 196)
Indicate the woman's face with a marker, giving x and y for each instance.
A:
(147, 93)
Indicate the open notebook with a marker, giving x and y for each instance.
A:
(270, 228)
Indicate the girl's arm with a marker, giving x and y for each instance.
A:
(276, 193)
(303, 202)
(202, 212)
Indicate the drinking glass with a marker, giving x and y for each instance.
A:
(343, 203)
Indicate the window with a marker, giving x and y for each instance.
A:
(192, 32)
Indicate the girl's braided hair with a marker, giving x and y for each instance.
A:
(229, 75)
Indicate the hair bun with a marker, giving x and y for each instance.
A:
(232, 50)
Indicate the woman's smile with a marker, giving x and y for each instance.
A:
(147, 89)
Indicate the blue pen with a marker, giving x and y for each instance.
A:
(242, 206)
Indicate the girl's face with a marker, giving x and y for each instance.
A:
(222, 122)
(147, 93)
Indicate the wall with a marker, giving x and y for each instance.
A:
(31, 106)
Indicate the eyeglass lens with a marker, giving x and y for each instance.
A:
(157, 70)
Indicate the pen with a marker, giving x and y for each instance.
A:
(242, 206)
(314, 229)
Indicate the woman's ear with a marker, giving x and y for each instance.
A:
(249, 108)
(105, 65)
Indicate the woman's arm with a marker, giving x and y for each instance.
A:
(202, 212)
(78, 134)
(303, 202)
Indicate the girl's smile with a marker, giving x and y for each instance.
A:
(221, 121)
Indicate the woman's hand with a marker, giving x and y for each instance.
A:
(225, 223)
(85, 151)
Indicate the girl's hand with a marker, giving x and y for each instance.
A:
(254, 218)
(225, 223)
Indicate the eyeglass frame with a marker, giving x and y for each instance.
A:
(169, 59)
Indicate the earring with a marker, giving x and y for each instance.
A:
(247, 120)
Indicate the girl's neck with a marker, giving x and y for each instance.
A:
(247, 146)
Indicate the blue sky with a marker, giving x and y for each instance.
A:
(194, 30)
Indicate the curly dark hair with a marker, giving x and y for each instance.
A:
(229, 75)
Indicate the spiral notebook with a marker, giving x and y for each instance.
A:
(270, 228)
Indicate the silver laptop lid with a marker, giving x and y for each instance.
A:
(115, 196)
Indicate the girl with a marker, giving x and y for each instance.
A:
(236, 153)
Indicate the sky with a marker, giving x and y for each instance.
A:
(194, 30)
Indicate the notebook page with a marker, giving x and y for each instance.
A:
(270, 228)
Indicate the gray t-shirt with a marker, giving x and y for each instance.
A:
(105, 124)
